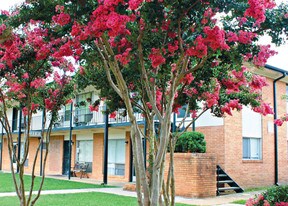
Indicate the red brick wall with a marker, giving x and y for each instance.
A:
(195, 174)
(127, 156)
(255, 173)
(98, 149)
(55, 155)
(34, 142)
(282, 134)
(5, 158)
(98, 146)
(214, 137)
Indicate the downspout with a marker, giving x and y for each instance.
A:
(284, 74)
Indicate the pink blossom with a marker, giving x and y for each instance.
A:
(258, 82)
(34, 107)
(156, 58)
(149, 105)
(257, 9)
(49, 104)
(124, 58)
(2, 28)
(59, 8)
(187, 79)
(232, 37)
(226, 109)
(242, 20)
(215, 38)
(245, 37)
(25, 111)
(25, 76)
(264, 109)
(134, 4)
(113, 115)
(176, 108)
(193, 113)
(38, 83)
(95, 108)
(62, 19)
(173, 47)
(69, 101)
(199, 50)
(263, 55)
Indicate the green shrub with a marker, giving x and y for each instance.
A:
(191, 142)
(274, 196)
(277, 194)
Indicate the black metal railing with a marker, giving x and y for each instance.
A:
(80, 117)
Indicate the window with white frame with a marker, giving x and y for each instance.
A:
(85, 153)
(67, 112)
(252, 134)
(116, 157)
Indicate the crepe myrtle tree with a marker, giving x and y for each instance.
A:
(160, 55)
(174, 53)
(29, 59)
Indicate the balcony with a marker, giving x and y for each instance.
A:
(80, 118)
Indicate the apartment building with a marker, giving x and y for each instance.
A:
(243, 145)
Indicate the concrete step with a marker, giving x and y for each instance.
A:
(224, 181)
(228, 188)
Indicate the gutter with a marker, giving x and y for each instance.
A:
(284, 74)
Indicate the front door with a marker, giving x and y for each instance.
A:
(66, 169)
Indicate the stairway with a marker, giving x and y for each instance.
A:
(226, 183)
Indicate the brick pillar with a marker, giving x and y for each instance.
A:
(98, 147)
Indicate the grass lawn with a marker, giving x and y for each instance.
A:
(240, 202)
(6, 183)
(79, 199)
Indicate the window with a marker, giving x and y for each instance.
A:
(85, 153)
(22, 154)
(67, 112)
(116, 157)
(182, 112)
(252, 134)
(81, 100)
(251, 148)
(83, 115)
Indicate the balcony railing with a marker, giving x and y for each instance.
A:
(80, 117)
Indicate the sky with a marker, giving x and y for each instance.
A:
(280, 60)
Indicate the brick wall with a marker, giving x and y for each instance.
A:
(256, 173)
(34, 142)
(5, 158)
(55, 155)
(98, 149)
(214, 137)
(195, 174)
